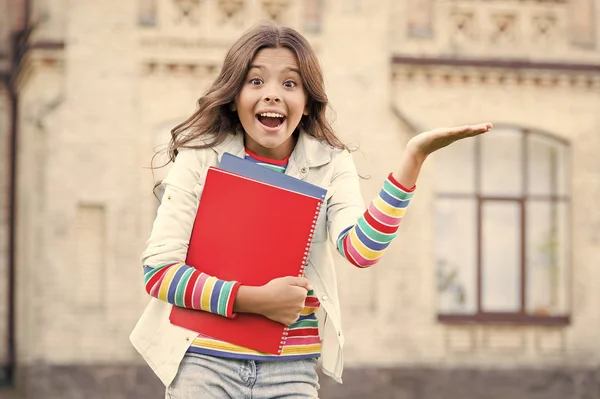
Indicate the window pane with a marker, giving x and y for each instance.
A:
(547, 257)
(455, 168)
(501, 256)
(456, 235)
(502, 163)
(546, 170)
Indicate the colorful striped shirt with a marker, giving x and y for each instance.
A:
(362, 244)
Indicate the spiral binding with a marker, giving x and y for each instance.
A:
(311, 234)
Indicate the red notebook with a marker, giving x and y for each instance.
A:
(252, 232)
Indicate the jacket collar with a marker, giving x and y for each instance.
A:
(309, 152)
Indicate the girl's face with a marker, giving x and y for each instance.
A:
(271, 103)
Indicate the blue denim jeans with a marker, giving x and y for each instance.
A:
(207, 377)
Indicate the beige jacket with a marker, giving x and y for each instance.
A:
(164, 345)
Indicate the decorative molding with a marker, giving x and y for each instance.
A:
(505, 28)
(275, 9)
(451, 76)
(162, 43)
(495, 63)
(463, 25)
(180, 69)
(546, 26)
(231, 11)
(186, 12)
(196, 24)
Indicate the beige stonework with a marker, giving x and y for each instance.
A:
(104, 82)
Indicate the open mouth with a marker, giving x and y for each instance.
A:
(270, 119)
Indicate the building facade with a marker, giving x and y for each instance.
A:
(491, 288)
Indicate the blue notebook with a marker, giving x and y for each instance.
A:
(244, 167)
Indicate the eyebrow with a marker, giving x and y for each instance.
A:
(262, 67)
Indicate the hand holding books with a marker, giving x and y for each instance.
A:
(281, 299)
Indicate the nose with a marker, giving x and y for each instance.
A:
(271, 92)
(271, 98)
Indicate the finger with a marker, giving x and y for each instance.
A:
(469, 130)
(481, 128)
(300, 282)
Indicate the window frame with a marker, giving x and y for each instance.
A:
(520, 317)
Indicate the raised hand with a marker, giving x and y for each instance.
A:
(426, 143)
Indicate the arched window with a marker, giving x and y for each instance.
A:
(502, 228)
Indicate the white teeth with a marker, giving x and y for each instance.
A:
(271, 115)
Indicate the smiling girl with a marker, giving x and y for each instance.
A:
(267, 105)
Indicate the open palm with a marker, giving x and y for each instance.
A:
(428, 142)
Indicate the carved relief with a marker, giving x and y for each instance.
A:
(504, 28)
(275, 9)
(186, 12)
(231, 11)
(513, 26)
(545, 27)
(463, 25)
(181, 69)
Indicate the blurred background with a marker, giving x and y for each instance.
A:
(492, 289)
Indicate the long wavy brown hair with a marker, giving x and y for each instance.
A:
(214, 117)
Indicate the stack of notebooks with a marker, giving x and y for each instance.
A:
(253, 225)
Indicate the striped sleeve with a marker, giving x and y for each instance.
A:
(184, 286)
(364, 243)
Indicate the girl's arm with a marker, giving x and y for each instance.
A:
(424, 144)
(166, 276)
(184, 286)
(364, 242)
